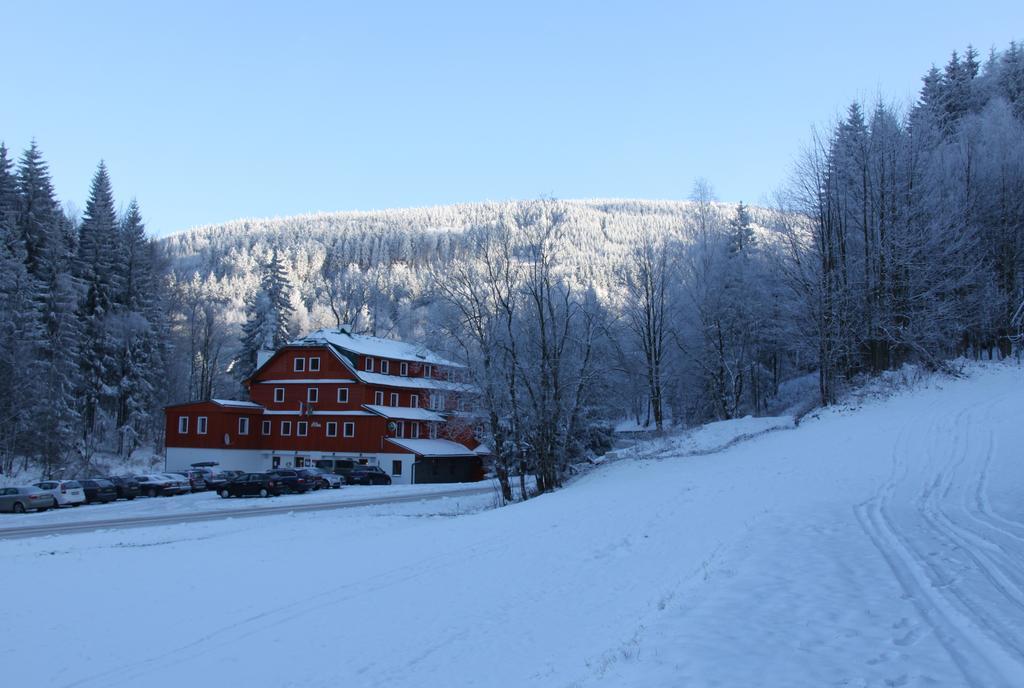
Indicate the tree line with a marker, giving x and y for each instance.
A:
(83, 344)
(900, 238)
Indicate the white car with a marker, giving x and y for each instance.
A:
(65, 492)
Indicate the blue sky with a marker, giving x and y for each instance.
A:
(213, 111)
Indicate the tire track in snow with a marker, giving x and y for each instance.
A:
(985, 656)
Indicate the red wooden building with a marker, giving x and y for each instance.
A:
(337, 396)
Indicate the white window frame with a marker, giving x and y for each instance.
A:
(182, 425)
(312, 394)
(279, 395)
(403, 369)
(343, 395)
(396, 463)
(302, 428)
(243, 425)
(385, 367)
(414, 400)
(394, 399)
(202, 425)
(414, 430)
(348, 429)
(400, 428)
(314, 364)
(266, 428)
(299, 366)
(286, 428)
(428, 370)
(433, 431)
(368, 364)
(332, 428)
(378, 398)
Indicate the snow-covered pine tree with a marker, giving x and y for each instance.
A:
(98, 269)
(268, 317)
(134, 327)
(19, 327)
(39, 216)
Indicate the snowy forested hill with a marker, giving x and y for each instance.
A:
(595, 236)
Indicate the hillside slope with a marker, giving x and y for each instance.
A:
(882, 545)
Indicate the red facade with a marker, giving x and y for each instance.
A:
(332, 393)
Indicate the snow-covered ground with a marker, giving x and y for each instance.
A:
(876, 546)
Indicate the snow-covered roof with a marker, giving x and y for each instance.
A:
(412, 382)
(405, 413)
(375, 346)
(236, 403)
(433, 447)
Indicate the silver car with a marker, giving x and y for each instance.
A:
(21, 499)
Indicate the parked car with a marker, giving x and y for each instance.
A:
(368, 475)
(215, 481)
(327, 480)
(195, 478)
(343, 467)
(18, 500)
(251, 484)
(181, 483)
(293, 481)
(126, 485)
(98, 490)
(66, 492)
(156, 485)
(312, 476)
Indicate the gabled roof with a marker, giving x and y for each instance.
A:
(405, 413)
(374, 346)
(430, 448)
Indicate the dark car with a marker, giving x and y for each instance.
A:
(155, 485)
(251, 484)
(215, 481)
(313, 476)
(98, 490)
(368, 475)
(343, 467)
(293, 481)
(126, 485)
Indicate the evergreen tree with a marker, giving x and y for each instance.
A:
(741, 231)
(268, 318)
(39, 215)
(98, 267)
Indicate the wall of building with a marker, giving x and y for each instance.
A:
(249, 460)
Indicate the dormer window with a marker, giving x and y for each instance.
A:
(385, 367)
(368, 365)
(403, 369)
(314, 364)
(300, 365)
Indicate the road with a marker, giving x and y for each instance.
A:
(286, 507)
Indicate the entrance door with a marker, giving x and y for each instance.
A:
(275, 462)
